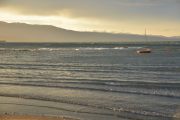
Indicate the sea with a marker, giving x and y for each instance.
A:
(91, 81)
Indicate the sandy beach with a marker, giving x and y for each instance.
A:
(27, 117)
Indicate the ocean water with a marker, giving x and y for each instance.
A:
(91, 81)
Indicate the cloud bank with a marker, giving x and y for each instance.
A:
(110, 15)
(117, 9)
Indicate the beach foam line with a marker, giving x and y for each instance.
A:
(29, 117)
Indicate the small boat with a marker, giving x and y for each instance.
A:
(145, 50)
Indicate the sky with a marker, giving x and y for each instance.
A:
(159, 17)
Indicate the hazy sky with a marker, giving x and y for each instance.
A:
(160, 17)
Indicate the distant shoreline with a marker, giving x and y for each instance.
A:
(120, 42)
(45, 33)
(32, 117)
(2, 41)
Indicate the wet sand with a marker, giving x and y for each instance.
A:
(27, 117)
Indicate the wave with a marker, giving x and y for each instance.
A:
(49, 49)
(59, 49)
(120, 112)
(94, 81)
(170, 93)
(30, 49)
(106, 48)
(15, 49)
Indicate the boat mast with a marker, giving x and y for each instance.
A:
(146, 35)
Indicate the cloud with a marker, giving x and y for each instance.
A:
(110, 15)
(76, 9)
(117, 10)
(2, 2)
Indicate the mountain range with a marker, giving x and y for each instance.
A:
(21, 32)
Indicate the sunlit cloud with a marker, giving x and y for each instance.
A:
(58, 21)
(127, 16)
